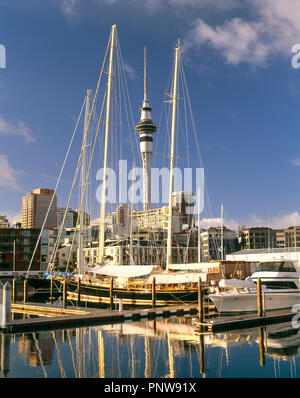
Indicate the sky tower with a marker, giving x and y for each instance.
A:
(145, 128)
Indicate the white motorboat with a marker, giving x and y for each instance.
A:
(280, 289)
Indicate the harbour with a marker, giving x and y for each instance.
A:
(116, 261)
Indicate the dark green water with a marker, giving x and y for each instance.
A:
(151, 349)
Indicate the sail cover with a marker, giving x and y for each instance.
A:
(123, 271)
(175, 278)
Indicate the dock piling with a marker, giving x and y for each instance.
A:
(6, 305)
(259, 298)
(25, 290)
(14, 290)
(111, 293)
(153, 293)
(78, 291)
(51, 290)
(200, 301)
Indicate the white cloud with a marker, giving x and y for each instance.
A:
(276, 221)
(271, 26)
(237, 40)
(70, 8)
(273, 31)
(295, 162)
(130, 71)
(216, 222)
(8, 175)
(18, 129)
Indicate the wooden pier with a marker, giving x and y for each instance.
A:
(225, 323)
(54, 317)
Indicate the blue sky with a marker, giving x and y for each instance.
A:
(237, 59)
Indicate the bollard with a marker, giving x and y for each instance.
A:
(111, 293)
(14, 290)
(259, 298)
(78, 291)
(65, 294)
(200, 301)
(153, 292)
(25, 290)
(6, 305)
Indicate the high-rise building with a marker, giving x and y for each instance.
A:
(70, 217)
(35, 207)
(146, 128)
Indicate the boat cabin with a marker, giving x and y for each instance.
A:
(277, 274)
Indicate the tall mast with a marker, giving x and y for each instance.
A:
(199, 232)
(107, 123)
(83, 183)
(131, 218)
(222, 234)
(146, 128)
(174, 100)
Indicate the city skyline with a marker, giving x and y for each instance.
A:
(243, 86)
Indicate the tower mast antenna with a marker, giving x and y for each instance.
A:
(145, 76)
(146, 128)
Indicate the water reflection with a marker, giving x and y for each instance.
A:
(151, 349)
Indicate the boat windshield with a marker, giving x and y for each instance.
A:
(276, 266)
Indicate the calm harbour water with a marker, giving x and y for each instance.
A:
(152, 349)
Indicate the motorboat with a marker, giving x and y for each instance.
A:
(280, 289)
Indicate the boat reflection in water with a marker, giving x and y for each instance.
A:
(161, 348)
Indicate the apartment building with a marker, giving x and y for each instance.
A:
(35, 207)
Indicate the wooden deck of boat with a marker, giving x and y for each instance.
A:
(225, 323)
(55, 317)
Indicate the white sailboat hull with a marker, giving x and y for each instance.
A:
(247, 302)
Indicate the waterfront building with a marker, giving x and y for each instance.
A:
(156, 220)
(183, 201)
(35, 207)
(69, 222)
(16, 249)
(280, 238)
(211, 243)
(292, 236)
(4, 221)
(148, 248)
(258, 238)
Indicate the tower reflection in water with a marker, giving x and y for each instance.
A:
(151, 349)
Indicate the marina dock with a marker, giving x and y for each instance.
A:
(50, 317)
(225, 323)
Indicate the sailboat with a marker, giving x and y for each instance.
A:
(134, 284)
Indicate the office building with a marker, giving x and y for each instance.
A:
(257, 238)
